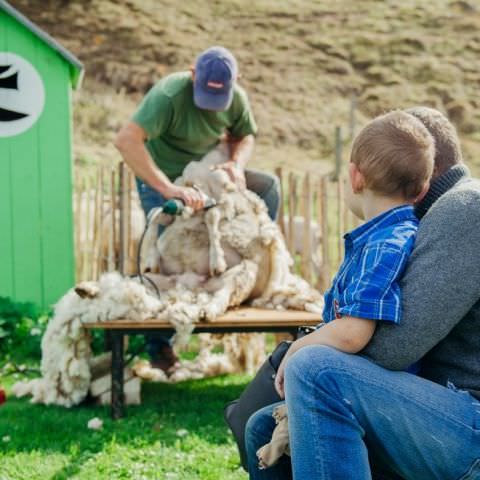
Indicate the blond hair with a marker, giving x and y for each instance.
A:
(395, 153)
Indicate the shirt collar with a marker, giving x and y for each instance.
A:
(360, 235)
(441, 185)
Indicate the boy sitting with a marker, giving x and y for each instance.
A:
(390, 167)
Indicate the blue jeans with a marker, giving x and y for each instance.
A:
(265, 185)
(350, 418)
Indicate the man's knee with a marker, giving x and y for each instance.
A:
(273, 185)
(262, 182)
(315, 360)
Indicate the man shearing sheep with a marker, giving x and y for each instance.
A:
(181, 118)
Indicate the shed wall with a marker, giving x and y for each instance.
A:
(36, 233)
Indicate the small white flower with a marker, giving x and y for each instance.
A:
(6, 438)
(95, 424)
(35, 331)
(182, 432)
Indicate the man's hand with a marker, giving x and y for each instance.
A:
(190, 196)
(280, 375)
(235, 173)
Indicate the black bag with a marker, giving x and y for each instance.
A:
(259, 393)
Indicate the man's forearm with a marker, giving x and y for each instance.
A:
(139, 160)
(241, 150)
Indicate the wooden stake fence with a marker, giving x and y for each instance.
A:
(312, 217)
(103, 205)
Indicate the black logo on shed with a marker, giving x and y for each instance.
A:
(9, 82)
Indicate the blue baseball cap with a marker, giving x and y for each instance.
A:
(215, 75)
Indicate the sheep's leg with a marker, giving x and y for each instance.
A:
(217, 262)
(280, 268)
(231, 289)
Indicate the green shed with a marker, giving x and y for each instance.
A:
(36, 227)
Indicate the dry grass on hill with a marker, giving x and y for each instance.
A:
(301, 60)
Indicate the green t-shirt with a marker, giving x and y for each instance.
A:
(178, 131)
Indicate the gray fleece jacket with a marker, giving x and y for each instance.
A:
(440, 290)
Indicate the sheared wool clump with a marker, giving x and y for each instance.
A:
(66, 343)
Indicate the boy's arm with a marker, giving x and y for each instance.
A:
(348, 334)
(441, 284)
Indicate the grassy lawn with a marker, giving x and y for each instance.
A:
(177, 433)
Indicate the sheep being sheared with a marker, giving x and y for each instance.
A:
(235, 249)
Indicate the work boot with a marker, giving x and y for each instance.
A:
(166, 360)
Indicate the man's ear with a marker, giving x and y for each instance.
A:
(422, 194)
(357, 180)
(192, 71)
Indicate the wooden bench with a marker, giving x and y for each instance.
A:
(238, 320)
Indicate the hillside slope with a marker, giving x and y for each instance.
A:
(301, 62)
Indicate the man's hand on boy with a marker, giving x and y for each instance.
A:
(280, 375)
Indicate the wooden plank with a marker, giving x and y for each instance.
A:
(25, 186)
(6, 240)
(246, 317)
(55, 164)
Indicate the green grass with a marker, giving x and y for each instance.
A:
(54, 443)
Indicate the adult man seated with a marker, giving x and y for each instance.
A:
(180, 119)
(349, 415)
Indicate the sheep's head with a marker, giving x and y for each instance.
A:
(87, 289)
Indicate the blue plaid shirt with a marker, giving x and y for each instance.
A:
(376, 254)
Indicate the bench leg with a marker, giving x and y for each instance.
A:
(117, 375)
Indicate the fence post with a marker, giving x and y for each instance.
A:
(121, 213)
(340, 220)
(307, 233)
(111, 230)
(281, 210)
(78, 229)
(353, 119)
(97, 219)
(292, 207)
(338, 153)
(88, 220)
(324, 277)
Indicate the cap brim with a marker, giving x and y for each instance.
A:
(217, 102)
